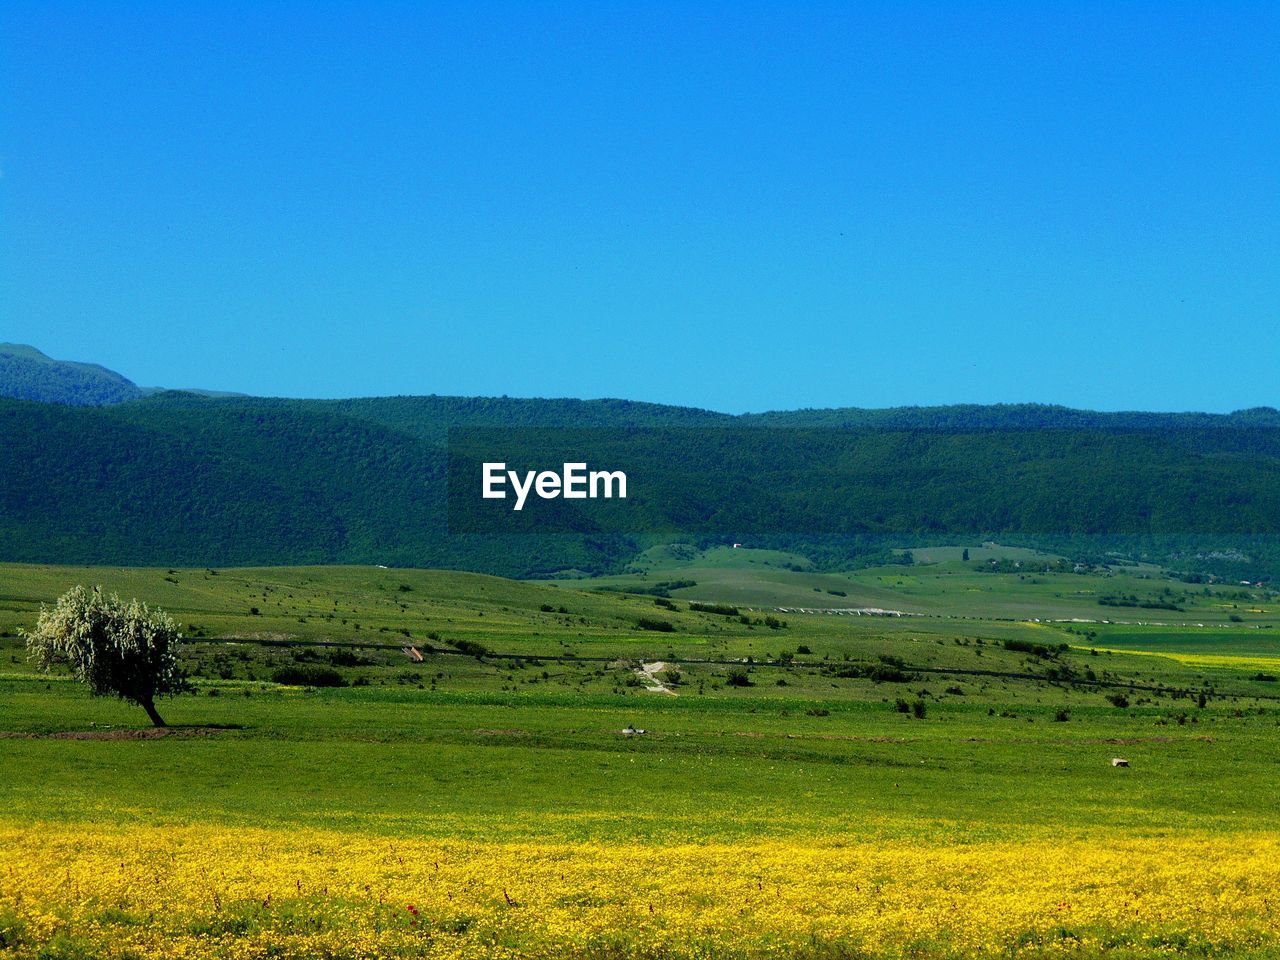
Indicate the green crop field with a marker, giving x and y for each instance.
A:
(986, 722)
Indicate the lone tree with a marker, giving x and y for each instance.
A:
(118, 649)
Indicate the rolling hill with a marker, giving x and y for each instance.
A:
(27, 374)
(178, 478)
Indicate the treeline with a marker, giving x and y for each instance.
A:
(1009, 416)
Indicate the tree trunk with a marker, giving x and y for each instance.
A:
(150, 707)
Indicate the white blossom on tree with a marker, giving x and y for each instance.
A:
(118, 649)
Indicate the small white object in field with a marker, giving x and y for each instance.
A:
(1119, 762)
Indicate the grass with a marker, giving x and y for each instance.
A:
(412, 762)
(523, 745)
(940, 584)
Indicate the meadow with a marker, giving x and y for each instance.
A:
(808, 784)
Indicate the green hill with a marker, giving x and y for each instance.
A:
(27, 374)
(177, 478)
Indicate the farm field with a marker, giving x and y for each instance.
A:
(808, 784)
(996, 582)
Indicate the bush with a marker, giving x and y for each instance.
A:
(308, 676)
(649, 623)
(918, 709)
(876, 672)
(1118, 700)
(471, 647)
(739, 678)
(1035, 649)
(345, 658)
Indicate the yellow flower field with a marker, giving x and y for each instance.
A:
(202, 891)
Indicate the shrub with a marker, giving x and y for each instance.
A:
(345, 658)
(739, 677)
(890, 672)
(308, 676)
(918, 709)
(660, 626)
(1118, 700)
(1026, 646)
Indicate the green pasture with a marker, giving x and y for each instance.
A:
(974, 721)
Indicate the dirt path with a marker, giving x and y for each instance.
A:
(649, 674)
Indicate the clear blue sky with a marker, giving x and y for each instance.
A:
(735, 206)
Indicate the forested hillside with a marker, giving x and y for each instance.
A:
(27, 374)
(182, 479)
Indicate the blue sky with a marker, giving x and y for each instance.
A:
(738, 206)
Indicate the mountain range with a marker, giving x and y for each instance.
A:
(99, 470)
(27, 374)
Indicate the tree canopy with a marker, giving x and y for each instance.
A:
(118, 649)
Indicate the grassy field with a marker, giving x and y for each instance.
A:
(995, 582)
(808, 784)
